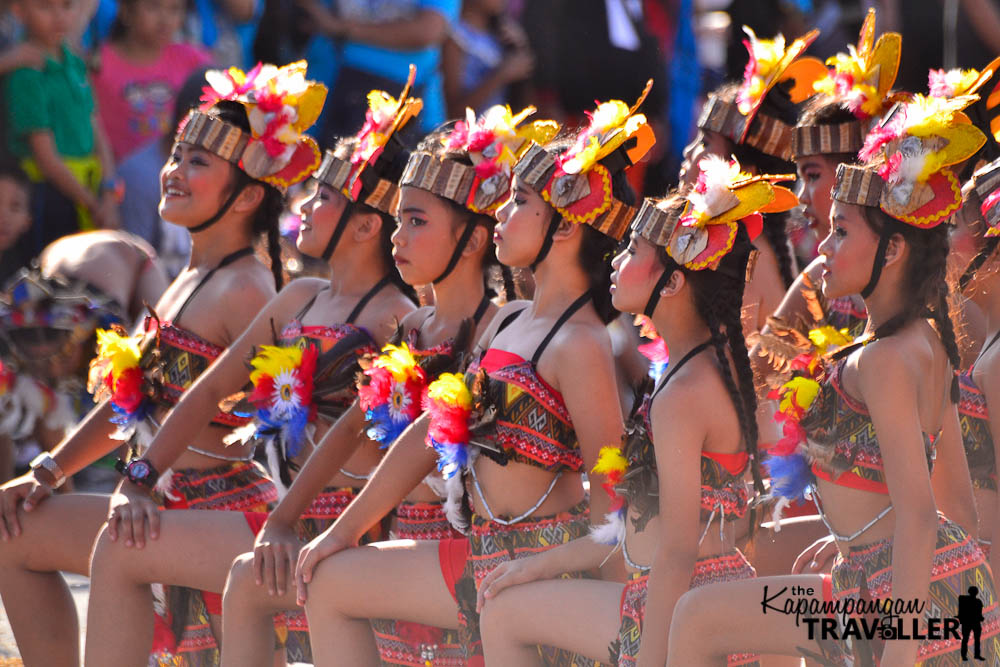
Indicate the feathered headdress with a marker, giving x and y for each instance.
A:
(986, 203)
(860, 81)
(577, 183)
(493, 143)
(281, 104)
(701, 233)
(907, 156)
(350, 174)
(862, 78)
(770, 63)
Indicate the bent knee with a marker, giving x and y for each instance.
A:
(110, 556)
(503, 617)
(331, 578)
(241, 583)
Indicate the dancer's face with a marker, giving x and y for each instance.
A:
(817, 176)
(194, 184)
(705, 143)
(320, 215)
(848, 251)
(636, 270)
(522, 223)
(427, 231)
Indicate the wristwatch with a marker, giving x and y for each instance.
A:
(45, 461)
(138, 471)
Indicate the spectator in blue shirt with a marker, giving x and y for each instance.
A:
(380, 38)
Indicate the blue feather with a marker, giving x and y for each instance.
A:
(791, 475)
(452, 458)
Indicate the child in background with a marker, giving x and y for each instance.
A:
(140, 71)
(15, 218)
(52, 130)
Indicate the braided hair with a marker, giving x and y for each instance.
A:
(924, 283)
(718, 296)
(266, 218)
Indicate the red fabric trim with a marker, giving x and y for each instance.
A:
(453, 554)
(256, 521)
(851, 481)
(735, 462)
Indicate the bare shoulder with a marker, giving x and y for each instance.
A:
(582, 343)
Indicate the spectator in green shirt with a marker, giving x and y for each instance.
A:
(53, 131)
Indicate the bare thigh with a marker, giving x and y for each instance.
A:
(58, 534)
(195, 548)
(579, 615)
(733, 616)
(399, 579)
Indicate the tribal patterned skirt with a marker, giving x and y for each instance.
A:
(732, 566)
(183, 634)
(413, 644)
(866, 573)
(489, 544)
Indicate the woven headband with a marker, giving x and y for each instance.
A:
(769, 135)
(858, 185)
(214, 135)
(443, 177)
(842, 138)
(376, 192)
(537, 167)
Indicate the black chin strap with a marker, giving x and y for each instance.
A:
(237, 189)
(654, 298)
(547, 242)
(883, 245)
(338, 231)
(457, 252)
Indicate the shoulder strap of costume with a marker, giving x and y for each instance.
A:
(568, 313)
(227, 260)
(369, 295)
(484, 303)
(697, 349)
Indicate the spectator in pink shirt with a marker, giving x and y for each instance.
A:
(141, 68)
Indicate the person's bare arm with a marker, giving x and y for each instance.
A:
(678, 421)
(228, 374)
(889, 389)
(240, 11)
(43, 149)
(984, 17)
(426, 28)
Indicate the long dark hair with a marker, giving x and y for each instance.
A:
(924, 283)
(266, 218)
(718, 298)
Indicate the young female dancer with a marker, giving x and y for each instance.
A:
(977, 227)
(830, 131)
(225, 208)
(309, 373)
(671, 544)
(879, 414)
(438, 338)
(545, 425)
(755, 122)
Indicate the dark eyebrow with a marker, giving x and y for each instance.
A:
(413, 209)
